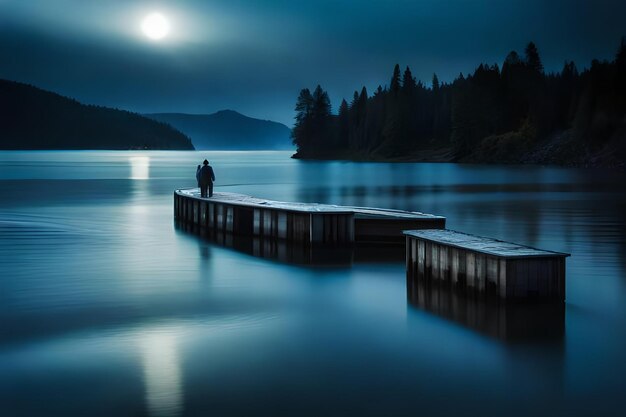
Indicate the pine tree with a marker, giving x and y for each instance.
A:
(355, 99)
(393, 127)
(358, 109)
(343, 125)
(511, 60)
(301, 133)
(533, 61)
(514, 84)
(363, 97)
(439, 115)
(435, 82)
(408, 82)
(321, 103)
(394, 86)
(321, 118)
(362, 117)
(569, 71)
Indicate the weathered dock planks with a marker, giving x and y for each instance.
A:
(386, 225)
(484, 266)
(298, 222)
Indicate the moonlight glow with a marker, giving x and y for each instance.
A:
(155, 26)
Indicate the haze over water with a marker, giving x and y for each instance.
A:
(107, 309)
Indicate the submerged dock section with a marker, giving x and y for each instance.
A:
(484, 266)
(298, 222)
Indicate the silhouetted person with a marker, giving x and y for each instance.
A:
(198, 175)
(206, 179)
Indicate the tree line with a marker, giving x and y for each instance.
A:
(493, 114)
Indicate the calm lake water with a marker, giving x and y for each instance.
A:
(107, 309)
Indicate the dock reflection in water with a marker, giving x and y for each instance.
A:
(510, 322)
(298, 254)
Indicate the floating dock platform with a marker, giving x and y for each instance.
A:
(298, 222)
(484, 266)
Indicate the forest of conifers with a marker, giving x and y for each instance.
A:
(517, 113)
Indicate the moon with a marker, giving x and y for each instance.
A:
(155, 26)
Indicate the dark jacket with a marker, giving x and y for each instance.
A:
(206, 175)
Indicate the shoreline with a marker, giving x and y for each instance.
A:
(406, 160)
(560, 150)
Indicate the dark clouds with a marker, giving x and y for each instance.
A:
(254, 56)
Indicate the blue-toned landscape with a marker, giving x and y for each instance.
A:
(106, 306)
(332, 208)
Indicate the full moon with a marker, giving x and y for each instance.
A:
(155, 26)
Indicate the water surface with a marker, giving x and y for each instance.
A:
(106, 308)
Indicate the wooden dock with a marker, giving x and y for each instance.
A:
(484, 266)
(298, 222)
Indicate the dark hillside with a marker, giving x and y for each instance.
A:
(229, 130)
(31, 118)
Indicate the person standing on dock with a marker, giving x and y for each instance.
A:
(207, 176)
(198, 174)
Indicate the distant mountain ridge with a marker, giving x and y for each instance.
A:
(32, 118)
(228, 130)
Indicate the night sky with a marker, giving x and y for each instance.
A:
(255, 56)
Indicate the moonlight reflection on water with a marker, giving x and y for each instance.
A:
(98, 289)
